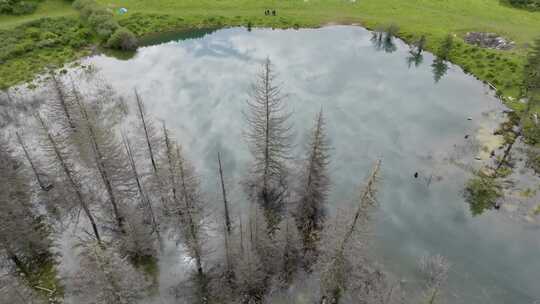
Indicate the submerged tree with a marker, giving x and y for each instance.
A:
(107, 157)
(14, 290)
(148, 215)
(59, 152)
(61, 107)
(341, 252)
(42, 182)
(269, 136)
(435, 269)
(188, 215)
(226, 215)
(314, 188)
(24, 237)
(106, 278)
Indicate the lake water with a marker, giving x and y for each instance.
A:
(376, 107)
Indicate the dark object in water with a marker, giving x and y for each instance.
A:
(415, 174)
(466, 136)
(273, 12)
(492, 153)
(497, 206)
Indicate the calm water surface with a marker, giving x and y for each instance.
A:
(376, 107)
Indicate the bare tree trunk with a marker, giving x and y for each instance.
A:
(32, 165)
(145, 127)
(69, 175)
(172, 166)
(224, 194)
(365, 199)
(99, 160)
(63, 100)
(144, 198)
(195, 241)
(241, 236)
(337, 263)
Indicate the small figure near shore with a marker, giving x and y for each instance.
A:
(273, 12)
(415, 174)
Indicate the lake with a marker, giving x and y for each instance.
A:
(376, 106)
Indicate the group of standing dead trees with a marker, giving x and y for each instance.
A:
(134, 187)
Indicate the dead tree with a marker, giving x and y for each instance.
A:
(106, 278)
(224, 196)
(62, 104)
(44, 186)
(337, 262)
(314, 188)
(24, 239)
(268, 136)
(147, 128)
(435, 269)
(145, 200)
(60, 153)
(171, 164)
(105, 152)
(189, 215)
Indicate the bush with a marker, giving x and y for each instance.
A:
(103, 23)
(107, 28)
(122, 39)
(528, 4)
(17, 7)
(80, 4)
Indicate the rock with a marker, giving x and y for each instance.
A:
(488, 40)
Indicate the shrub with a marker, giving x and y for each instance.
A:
(107, 28)
(80, 4)
(122, 39)
(17, 7)
(527, 4)
(482, 193)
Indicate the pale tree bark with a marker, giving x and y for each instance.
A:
(41, 183)
(70, 176)
(99, 160)
(337, 266)
(269, 137)
(224, 196)
(145, 201)
(314, 188)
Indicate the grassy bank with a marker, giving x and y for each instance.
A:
(434, 19)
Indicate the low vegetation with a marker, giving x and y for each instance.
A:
(102, 21)
(482, 193)
(38, 44)
(527, 4)
(18, 7)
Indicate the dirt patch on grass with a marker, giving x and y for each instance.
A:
(489, 40)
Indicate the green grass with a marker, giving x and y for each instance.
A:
(433, 18)
(47, 8)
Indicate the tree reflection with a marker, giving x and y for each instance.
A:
(383, 40)
(415, 59)
(439, 67)
(415, 53)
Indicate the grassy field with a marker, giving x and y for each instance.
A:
(432, 18)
